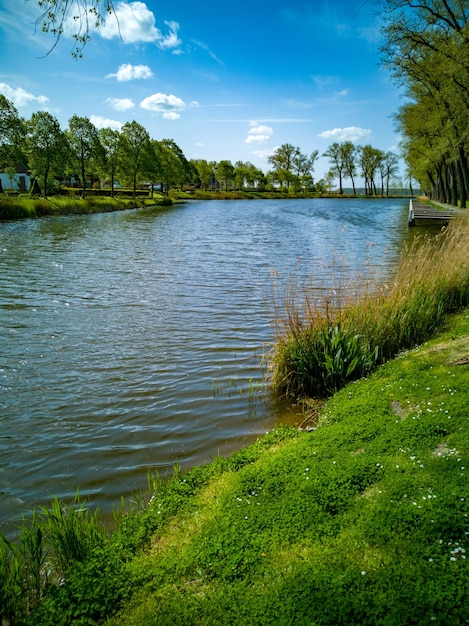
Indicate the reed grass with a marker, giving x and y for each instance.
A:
(329, 336)
(27, 207)
(48, 545)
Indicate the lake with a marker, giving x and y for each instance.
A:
(135, 340)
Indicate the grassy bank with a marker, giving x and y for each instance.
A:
(21, 207)
(364, 520)
(327, 337)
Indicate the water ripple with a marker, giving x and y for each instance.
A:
(134, 340)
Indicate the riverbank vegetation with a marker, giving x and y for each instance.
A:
(91, 159)
(425, 49)
(363, 520)
(327, 337)
(20, 207)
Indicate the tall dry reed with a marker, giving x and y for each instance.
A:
(329, 335)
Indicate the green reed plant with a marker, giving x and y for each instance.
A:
(23, 572)
(327, 336)
(48, 545)
(71, 532)
(11, 575)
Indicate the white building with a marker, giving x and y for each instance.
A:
(19, 182)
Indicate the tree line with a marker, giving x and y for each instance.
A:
(427, 51)
(131, 157)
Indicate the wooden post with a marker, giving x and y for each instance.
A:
(411, 213)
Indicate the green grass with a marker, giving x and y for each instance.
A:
(364, 520)
(327, 337)
(20, 207)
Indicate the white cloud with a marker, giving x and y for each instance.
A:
(102, 122)
(168, 105)
(171, 115)
(351, 133)
(131, 72)
(259, 134)
(204, 47)
(171, 40)
(135, 23)
(20, 97)
(263, 154)
(120, 104)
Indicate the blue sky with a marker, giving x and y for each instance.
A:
(225, 81)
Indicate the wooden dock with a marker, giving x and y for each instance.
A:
(419, 212)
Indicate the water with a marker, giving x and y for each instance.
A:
(134, 340)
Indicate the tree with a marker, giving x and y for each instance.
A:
(171, 167)
(369, 160)
(153, 165)
(225, 173)
(349, 154)
(388, 167)
(427, 50)
(84, 13)
(175, 168)
(291, 167)
(188, 174)
(205, 171)
(248, 175)
(47, 146)
(282, 161)
(109, 139)
(335, 154)
(12, 131)
(85, 148)
(303, 168)
(134, 146)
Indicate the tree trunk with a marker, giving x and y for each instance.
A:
(454, 185)
(441, 185)
(83, 180)
(353, 186)
(464, 170)
(432, 184)
(462, 187)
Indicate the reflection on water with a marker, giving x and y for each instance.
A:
(135, 340)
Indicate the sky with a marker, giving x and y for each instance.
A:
(227, 81)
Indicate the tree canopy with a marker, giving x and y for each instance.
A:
(426, 50)
(133, 158)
